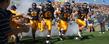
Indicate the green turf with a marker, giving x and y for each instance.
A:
(91, 38)
(88, 38)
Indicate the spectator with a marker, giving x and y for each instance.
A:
(108, 22)
(91, 22)
(5, 15)
(101, 20)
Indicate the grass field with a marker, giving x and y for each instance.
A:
(88, 38)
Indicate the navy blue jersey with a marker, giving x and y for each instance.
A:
(65, 13)
(83, 13)
(37, 10)
(5, 28)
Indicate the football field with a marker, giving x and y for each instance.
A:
(92, 38)
(88, 38)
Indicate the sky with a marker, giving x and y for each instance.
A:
(95, 1)
(88, 1)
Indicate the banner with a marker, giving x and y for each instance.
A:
(61, 0)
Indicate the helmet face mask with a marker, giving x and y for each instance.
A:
(13, 7)
(34, 5)
(84, 5)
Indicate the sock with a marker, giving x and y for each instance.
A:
(79, 34)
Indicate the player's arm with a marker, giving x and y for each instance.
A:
(29, 11)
